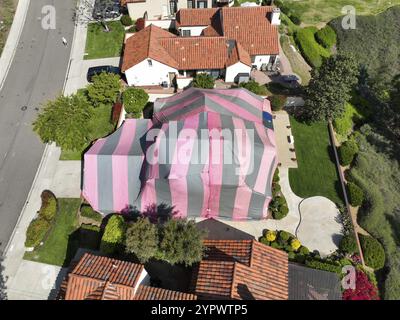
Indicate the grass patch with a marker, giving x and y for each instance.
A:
(100, 44)
(7, 10)
(65, 238)
(317, 11)
(316, 174)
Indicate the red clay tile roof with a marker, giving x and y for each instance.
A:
(102, 278)
(150, 293)
(244, 269)
(250, 26)
(145, 44)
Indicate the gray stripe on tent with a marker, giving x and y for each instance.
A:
(169, 142)
(257, 150)
(268, 191)
(163, 191)
(138, 144)
(111, 142)
(242, 103)
(256, 206)
(192, 95)
(134, 183)
(195, 194)
(105, 183)
(230, 178)
(194, 105)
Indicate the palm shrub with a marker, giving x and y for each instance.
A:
(203, 80)
(356, 194)
(135, 100)
(374, 254)
(142, 239)
(114, 235)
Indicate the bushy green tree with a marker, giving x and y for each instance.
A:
(277, 102)
(104, 89)
(326, 37)
(356, 194)
(203, 80)
(374, 254)
(348, 244)
(330, 88)
(142, 239)
(134, 101)
(255, 87)
(114, 235)
(63, 121)
(181, 242)
(126, 20)
(347, 151)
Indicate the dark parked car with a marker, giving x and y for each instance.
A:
(97, 70)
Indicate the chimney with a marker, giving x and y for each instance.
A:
(276, 16)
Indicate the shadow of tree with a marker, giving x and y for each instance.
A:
(3, 293)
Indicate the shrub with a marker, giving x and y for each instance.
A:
(114, 235)
(364, 290)
(134, 101)
(300, 258)
(291, 255)
(374, 254)
(142, 239)
(126, 20)
(320, 265)
(265, 241)
(276, 178)
(131, 29)
(255, 87)
(88, 212)
(326, 37)
(310, 49)
(277, 102)
(284, 236)
(356, 194)
(304, 251)
(203, 80)
(344, 124)
(48, 209)
(295, 244)
(347, 151)
(276, 189)
(348, 244)
(281, 213)
(295, 18)
(36, 231)
(271, 235)
(276, 245)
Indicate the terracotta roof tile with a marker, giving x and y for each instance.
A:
(195, 17)
(150, 293)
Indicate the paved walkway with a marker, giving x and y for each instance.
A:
(283, 131)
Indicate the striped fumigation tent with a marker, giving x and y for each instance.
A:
(207, 153)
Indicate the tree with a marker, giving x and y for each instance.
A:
(63, 121)
(203, 80)
(181, 242)
(104, 89)
(114, 235)
(347, 151)
(374, 254)
(356, 195)
(255, 87)
(142, 239)
(134, 101)
(84, 12)
(277, 102)
(330, 88)
(348, 244)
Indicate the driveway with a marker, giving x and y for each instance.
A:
(36, 74)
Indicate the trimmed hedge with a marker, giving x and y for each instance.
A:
(48, 209)
(325, 266)
(36, 231)
(326, 37)
(374, 254)
(347, 151)
(312, 52)
(356, 194)
(348, 244)
(88, 212)
(277, 102)
(114, 235)
(295, 18)
(344, 124)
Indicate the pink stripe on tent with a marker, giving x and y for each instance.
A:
(241, 95)
(149, 197)
(242, 203)
(205, 212)
(266, 162)
(244, 147)
(90, 189)
(267, 106)
(120, 166)
(271, 138)
(181, 106)
(215, 169)
(235, 109)
(179, 196)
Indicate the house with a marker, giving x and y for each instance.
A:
(102, 278)
(166, 9)
(206, 153)
(224, 42)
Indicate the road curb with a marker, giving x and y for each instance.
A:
(14, 35)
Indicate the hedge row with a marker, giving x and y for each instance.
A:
(325, 266)
(312, 52)
(374, 254)
(326, 37)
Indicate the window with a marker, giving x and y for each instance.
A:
(185, 33)
(190, 4)
(150, 63)
(201, 4)
(173, 7)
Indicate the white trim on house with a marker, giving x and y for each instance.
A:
(194, 31)
(235, 69)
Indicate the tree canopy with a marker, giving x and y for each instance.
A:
(203, 80)
(104, 89)
(330, 88)
(134, 101)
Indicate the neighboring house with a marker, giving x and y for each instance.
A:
(102, 278)
(233, 41)
(227, 171)
(166, 9)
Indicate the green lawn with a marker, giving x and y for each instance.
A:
(65, 238)
(313, 12)
(316, 174)
(7, 9)
(101, 44)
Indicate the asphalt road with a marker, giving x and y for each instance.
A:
(37, 74)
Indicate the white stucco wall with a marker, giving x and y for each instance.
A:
(183, 82)
(259, 60)
(144, 75)
(233, 70)
(194, 31)
(164, 24)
